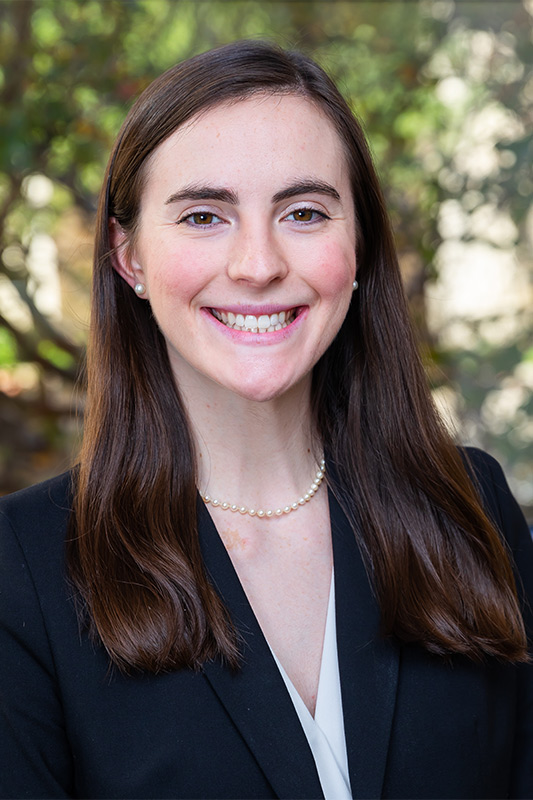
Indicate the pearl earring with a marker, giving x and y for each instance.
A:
(355, 285)
(140, 288)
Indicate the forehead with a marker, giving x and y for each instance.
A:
(253, 140)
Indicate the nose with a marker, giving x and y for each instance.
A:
(257, 257)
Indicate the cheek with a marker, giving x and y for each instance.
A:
(183, 273)
(336, 270)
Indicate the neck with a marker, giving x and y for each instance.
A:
(253, 453)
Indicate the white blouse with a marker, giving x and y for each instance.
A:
(325, 732)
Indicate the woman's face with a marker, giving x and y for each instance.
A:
(246, 244)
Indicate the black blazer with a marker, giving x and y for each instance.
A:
(416, 726)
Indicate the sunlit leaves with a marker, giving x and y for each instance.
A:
(57, 356)
(8, 348)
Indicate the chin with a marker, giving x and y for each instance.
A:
(258, 394)
(260, 391)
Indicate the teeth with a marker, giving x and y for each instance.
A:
(262, 324)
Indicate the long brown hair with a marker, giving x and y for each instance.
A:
(438, 567)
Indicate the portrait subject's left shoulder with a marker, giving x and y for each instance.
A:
(496, 496)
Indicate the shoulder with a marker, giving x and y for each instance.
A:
(38, 634)
(54, 490)
(33, 526)
(483, 464)
(507, 516)
(495, 494)
(35, 596)
(483, 467)
(43, 504)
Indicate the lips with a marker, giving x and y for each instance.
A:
(255, 323)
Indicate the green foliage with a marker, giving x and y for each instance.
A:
(8, 349)
(55, 355)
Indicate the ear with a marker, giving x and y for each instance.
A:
(122, 257)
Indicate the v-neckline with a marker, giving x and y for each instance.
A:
(329, 629)
(256, 697)
(325, 730)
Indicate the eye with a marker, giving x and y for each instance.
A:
(200, 219)
(306, 215)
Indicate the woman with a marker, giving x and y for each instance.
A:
(220, 623)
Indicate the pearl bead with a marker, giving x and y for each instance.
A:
(278, 512)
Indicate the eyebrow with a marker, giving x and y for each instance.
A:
(195, 192)
(306, 187)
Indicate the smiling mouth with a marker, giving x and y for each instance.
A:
(263, 323)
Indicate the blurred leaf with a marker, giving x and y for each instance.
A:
(55, 355)
(8, 348)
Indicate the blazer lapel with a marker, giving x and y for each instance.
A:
(256, 697)
(368, 664)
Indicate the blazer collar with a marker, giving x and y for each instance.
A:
(256, 697)
(368, 663)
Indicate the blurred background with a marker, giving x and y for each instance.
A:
(445, 92)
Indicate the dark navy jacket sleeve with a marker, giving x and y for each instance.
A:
(508, 518)
(35, 753)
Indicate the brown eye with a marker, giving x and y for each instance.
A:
(202, 218)
(303, 214)
(306, 216)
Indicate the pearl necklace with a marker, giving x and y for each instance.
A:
(270, 512)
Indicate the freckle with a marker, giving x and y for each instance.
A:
(232, 539)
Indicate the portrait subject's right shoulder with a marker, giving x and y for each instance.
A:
(39, 641)
(38, 516)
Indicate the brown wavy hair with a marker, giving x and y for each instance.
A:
(437, 565)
